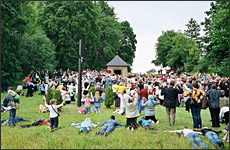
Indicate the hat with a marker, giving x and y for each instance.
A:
(151, 97)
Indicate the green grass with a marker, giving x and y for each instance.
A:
(67, 138)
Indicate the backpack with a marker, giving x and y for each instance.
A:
(204, 103)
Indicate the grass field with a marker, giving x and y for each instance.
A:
(39, 137)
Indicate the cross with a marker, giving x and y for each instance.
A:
(80, 59)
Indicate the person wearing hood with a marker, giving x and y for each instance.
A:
(84, 126)
(131, 105)
(150, 108)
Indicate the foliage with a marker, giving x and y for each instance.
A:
(109, 97)
(57, 96)
(50, 94)
(92, 89)
(151, 71)
(193, 31)
(216, 38)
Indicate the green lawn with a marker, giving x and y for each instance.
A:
(67, 138)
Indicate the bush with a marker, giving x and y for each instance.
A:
(50, 94)
(93, 90)
(109, 97)
(57, 96)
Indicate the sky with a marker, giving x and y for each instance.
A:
(149, 18)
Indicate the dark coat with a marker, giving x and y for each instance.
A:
(171, 96)
(214, 98)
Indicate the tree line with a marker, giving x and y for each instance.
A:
(39, 35)
(192, 52)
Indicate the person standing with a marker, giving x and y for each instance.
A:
(171, 100)
(195, 94)
(214, 104)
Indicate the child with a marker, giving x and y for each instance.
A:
(87, 101)
(53, 111)
(97, 101)
(146, 123)
(43, 109)
(84, 126)
(67, 98)
(15, 105)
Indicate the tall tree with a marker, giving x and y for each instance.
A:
(13, 25)
(128, 43)
(216, 39)
(193, 31)
(163, 46)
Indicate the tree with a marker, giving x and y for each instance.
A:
(93, 90)
(193, 31)
(57, 96)
(50, 94)
(151, 71)
(216, 38)
(128, 43)
(163, 46)
(13, 25)
(109, 97)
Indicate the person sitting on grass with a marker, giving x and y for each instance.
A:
(192, 136)
(146, 123)
(109, 126)
(53, 112)
(212, 136)
(87, 101)
(84, 126)
(43, 108)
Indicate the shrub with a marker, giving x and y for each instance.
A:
(109, 97)
(93, 90)
(49, 95)
(57, 96)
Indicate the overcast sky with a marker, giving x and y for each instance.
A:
(149, 18)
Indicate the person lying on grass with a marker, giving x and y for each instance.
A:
(146, 123)
(212, 136)
(192, 136)
(53, 112)
(36, 123)
(84, 126)
(109, 126)
(4, 122)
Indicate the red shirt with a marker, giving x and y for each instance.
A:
(143, 93)
(27, 79)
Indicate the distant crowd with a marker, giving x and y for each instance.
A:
(132, 95)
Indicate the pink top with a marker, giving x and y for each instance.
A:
(63, 94)
(87, 101)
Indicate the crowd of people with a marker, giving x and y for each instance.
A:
(134, 94)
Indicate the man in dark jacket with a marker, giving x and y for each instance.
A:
(171, 100)
(214, 104)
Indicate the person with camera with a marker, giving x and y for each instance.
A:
(131, 104)
(171, 100)
(195, 94)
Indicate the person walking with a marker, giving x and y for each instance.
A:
(171, 100)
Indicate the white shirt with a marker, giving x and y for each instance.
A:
(223, 110)
(53, 114)
(186, 131)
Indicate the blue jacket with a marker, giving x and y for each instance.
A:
(142, 121)
(99, 101)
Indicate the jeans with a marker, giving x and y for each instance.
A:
(147, 125)
(212, 137)
(196, 115)
(215, 116)
(139, 104)
(106, 128)
(97, 107)
(87, 109)
(54, 122)
(12, 117)
(195, 138)
(84, 128)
